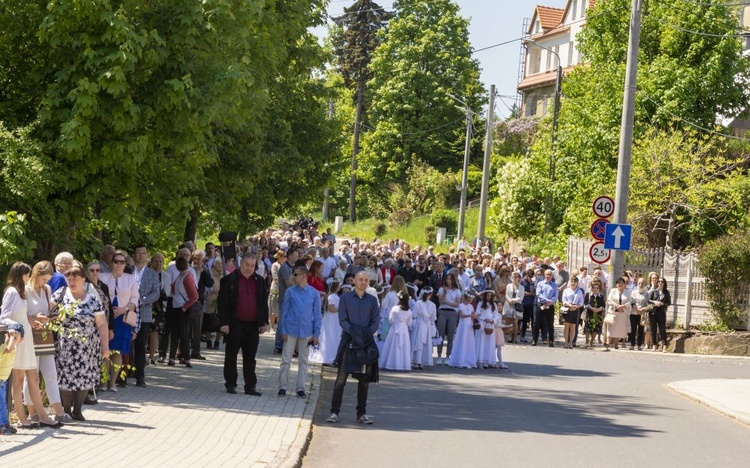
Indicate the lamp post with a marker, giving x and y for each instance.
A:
(465, 175)
(555, 113)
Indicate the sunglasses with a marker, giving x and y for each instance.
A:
(118, 262)
(94, 270)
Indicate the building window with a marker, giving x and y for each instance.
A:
(571, 49)
(535, 60)
(574, 9)
(556, 49)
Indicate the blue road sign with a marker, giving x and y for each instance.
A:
(597, 229)
(617, 236)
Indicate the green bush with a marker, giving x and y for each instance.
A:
(380, 229)
(400, 217)
(447, 219)
(430, 232)
(14, 240)
(726, 265)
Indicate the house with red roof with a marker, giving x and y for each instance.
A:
(550, 41)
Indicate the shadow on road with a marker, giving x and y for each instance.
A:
(430, 402)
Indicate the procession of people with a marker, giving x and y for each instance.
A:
(361, 307)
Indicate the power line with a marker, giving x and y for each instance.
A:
(699, 33)
(689, 2)
(559, 26)
(693, 124)
(499, 44)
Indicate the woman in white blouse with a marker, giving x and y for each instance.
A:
(123, 291)
(38, 305)
(618, 304)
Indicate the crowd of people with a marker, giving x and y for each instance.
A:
(90, 328)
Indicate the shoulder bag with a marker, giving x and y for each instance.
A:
(130, 318)
(44, 340)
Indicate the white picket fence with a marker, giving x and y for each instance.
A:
(690, 305)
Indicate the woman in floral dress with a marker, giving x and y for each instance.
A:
(79, 349)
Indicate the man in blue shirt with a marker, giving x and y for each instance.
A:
(300, 328)
(546, 297)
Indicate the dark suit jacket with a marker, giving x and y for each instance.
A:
(227, 302)
(433, 283)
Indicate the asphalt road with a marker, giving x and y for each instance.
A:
(556, 407)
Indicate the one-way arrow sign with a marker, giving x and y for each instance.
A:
(617, 236)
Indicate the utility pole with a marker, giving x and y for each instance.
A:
(327, 191)
(626, 132)
(465, 176)
(486, 167)
(355, 150)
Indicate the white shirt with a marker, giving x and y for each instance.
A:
(125, 288)
(329, 266)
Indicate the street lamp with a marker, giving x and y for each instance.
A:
(555, 113)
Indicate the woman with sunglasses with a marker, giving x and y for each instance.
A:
(660, 299)
(123, 289)
(83, 340)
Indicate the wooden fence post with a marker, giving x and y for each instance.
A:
(689, 291)
(675, 309)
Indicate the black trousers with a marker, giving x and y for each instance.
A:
(171, 331)
(528, 314)
(658, 318)
(194, 325)
(636, 331)
(544, 318)
(139, 351)
(242, 336)
(179, 334)
(338, 391)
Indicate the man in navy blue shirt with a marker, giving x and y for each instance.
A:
(357, 309)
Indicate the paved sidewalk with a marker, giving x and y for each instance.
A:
(727, 396)
(184, 417)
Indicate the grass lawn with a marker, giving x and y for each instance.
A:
(413, 233)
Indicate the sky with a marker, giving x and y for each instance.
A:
(491, 22)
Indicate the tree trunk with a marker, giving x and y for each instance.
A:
(191, 226)
(355, 150)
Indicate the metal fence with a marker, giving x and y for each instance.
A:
(687, 285)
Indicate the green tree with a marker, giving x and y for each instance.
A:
(354, 41)
(425, 57)
(691, 70)
(685, 188)
(128, 112)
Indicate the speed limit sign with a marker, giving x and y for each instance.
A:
(603, 206)
(599, 254)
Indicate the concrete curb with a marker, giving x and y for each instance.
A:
(726, 396)
(292, 457)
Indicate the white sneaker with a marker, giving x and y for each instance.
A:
(364, 419)
(333, 418)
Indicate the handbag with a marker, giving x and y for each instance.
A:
(44, 342)
(475, 324)
(130, 318)
(489, 328)
(437, 340)
(609, 319)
